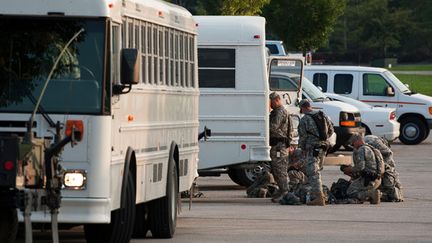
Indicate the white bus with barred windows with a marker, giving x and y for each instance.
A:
(130, 78)
(234, 76)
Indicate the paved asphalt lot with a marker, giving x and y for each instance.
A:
(224, 214)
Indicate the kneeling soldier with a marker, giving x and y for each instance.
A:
(366, 172)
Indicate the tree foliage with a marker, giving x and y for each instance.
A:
(372, 28)
(243, 7)
(302, 24)
(223, 7)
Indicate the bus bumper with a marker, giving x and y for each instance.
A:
(77, 210)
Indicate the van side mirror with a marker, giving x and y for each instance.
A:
(129, 66)
(390, 91)
(407, 85)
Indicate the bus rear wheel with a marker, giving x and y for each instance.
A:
(122, 220)
(243, 176)
(141, 226)
(163, 211)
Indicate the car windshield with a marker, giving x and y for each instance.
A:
(402, 87)
(312, 91)
(28, 50)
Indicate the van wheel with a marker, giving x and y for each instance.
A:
(412, 131)
(122, 220)
(8, 225)
(163, 211)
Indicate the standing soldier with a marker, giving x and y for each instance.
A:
(366, 172)
(390, 185)
(314, 129)
(280, 139)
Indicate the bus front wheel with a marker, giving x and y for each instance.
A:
(122, 220)
(8, 224)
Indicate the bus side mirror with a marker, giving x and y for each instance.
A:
(129, 66)
(390, 91)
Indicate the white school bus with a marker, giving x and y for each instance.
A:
(130, 77)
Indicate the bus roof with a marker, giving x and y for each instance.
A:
(230, 30)
(151, 10)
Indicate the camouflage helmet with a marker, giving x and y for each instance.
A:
(354, 137)
(304, 103)
(274, 96)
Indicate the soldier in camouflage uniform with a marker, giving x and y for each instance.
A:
(280, 139)
(363, 186)
(263, 186)
(310, 143)
(296, 171)
(390, 185)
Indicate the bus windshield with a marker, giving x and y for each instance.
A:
(28, 50)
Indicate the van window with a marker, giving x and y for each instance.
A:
(282, 84)
(216, 68)
(343, 83)
(320, 79)
(374, 84)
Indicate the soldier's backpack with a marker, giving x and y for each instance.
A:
(339, 189)
(380, 164)
(322, 124)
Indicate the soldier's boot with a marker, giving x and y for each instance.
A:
(318, 199)
(375, 196)
(262, 193)
(278, 196)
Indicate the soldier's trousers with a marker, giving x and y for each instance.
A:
(358, 190)
(279, 165)
(313, 167)
(296, 180)
(391, 186)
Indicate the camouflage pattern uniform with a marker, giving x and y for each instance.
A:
(308, 142)
(296, 171)
(280, 128)
(364, 160)
(390, 185)
(264, 186)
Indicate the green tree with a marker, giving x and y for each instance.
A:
(374, 27)
(243, 7)
(302, 24)
(222, 7)
(416, 44)
(200, 7)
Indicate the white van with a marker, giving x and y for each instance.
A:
(378, 121)
(345, 117)
(234, 91)
(378, 87)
